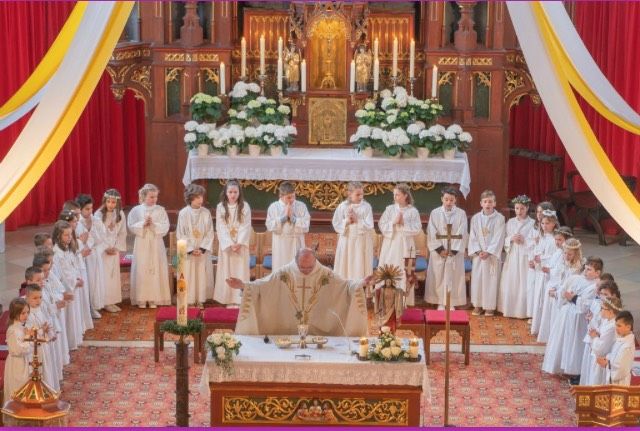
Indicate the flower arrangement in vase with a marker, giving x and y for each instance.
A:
(223, 348)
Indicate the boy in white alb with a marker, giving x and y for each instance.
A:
(618, 363)
(486, 239)
(288, 220)
(38, 319)
(601, 341)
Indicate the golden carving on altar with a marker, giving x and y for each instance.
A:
(327, 42)
(352, 411)
(607, 405)
(327, 121)
(363, 62)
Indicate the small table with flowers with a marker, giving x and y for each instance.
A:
(319, 386)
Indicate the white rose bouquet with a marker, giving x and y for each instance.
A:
(223, 347)
(388, 347)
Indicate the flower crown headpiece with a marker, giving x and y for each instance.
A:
(611, 305)
(107, 195)
(549, 213)
(572, 246)
(521, 199)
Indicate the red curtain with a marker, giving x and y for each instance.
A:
(105, 149)
(607, 29)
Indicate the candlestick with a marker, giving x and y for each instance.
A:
(262, 78)
(412, 82)
(352, 77)
(412, 57)
(243, 58)
(222, 79)
(394, 67)
(363, 351)
(375, 49)
(376, 74)
(262, 55)
(434, 82)
(413, 348)
(303, 76)
(279, 77)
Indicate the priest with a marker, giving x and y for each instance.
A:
(302, 292)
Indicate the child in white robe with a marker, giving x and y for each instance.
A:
(43, 239)
(233, 223)
(553, 278)
(66, 271)
(39, 320)
(601, 341)
(486, 239)
(288, 220)
(532, 241)
(543, 253)
(353, 222)
(115, 241)
(16, 367)
(446, 270)
(618, 363)
(149, 268)
(95, 244)
(399, 225)
(195, 226)
(572, 265)
(512, 292)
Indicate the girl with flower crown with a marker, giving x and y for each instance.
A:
(115, 239)
(532, 241)
(512, 294)
(543, 254)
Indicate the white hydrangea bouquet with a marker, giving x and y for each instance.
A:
(223, 347)
(388, 347)
(197, 134)
(447, 141)
(205, 108)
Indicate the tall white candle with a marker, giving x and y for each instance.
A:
(262, 55)
(303, 76)
(280, 45)
(279, 80)
(352, 77)
(223, 82)
(243, 57)
(376, 74)
(394, 66)
(434, 82)
(412, 57)
(375, 49)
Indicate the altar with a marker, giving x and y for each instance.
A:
(328, 386)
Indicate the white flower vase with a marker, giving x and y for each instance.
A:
(232, 150)
(203, 150)
(275, 151)
(422, 153)
(367, 152)
(449, 154)
(254, 150)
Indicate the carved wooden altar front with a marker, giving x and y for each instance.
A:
(172, 50)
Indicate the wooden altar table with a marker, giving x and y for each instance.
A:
(272, 386)
(329, 164)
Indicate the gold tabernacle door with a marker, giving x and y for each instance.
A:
(327, 121)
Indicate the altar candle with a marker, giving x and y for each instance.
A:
(434, 82)
(279, 80)
(376, 74)
(280, 45)
(303, 76)
(412, 57)
(243, 57)
(262, 56)
(352, 77)
(222, 79)
(394, 67)
(363, 351)
(375, 49)
(413, 348)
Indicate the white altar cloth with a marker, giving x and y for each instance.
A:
(261, 362)
(330, 164)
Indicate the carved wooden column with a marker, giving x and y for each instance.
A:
(465, 38)
(191, 31)
(221, 25)
(152, 22)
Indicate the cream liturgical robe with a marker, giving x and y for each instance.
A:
(95, 268)
(437, 276)
(275, 304)
(545, 249)
(149, 268)
(232, 264)
(399, 241)
(66, 271)
(354, 252)
(115, 236)
(487, 234)
(16, 368)
(195, 226)
(46, 353)
(288, 236)
(512, 292)
(598, 347)
(621, 361)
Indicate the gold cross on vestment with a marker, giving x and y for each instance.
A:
(301, 315)
(448, 237)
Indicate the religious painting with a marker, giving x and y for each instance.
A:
(328, 59)
(327, 121)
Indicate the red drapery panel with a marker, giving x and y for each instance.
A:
(609, 30)
(105, 149)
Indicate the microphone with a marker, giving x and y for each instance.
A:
(346, 337)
